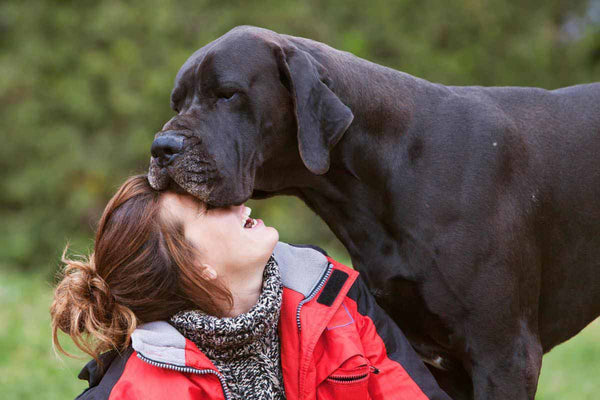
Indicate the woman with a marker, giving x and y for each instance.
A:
(183, 301)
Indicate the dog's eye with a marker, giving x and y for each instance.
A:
(227, 96)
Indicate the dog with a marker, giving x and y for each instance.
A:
(473, 213)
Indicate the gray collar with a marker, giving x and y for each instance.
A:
(301, 268)
(159, 341)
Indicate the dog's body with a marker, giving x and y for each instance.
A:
(472, 212)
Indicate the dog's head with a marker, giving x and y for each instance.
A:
(242, 100)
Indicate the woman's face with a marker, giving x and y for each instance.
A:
(220, 236)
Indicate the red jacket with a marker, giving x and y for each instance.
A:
(336, 343)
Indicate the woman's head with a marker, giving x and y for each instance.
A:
(150, 262)
(228, 247)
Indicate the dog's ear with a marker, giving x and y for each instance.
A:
(321, 117)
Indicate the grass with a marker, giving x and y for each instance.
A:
(28, 367)
(30, 370)
(571, 370)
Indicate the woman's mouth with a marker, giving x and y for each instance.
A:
(247, 222)
(252, 223)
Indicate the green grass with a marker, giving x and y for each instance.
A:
(30, 370)
(572, 370)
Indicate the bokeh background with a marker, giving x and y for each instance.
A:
(84, 85)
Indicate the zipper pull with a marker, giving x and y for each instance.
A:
(374, 370)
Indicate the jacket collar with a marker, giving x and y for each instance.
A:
(302, 270)
(93, 373)
(160, 342)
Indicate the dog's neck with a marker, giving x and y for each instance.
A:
(385, 104)
(384, 101)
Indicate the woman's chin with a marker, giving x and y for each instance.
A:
(263, 236)
(262, 244)
(271, 236)
(271, 233)
(275, 233)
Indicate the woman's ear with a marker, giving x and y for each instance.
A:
(208, 272)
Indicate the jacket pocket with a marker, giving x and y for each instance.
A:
(349, 382)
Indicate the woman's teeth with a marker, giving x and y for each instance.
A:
(248, 222)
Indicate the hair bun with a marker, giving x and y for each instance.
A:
(85, 309)
(86, 290)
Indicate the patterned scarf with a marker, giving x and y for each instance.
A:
(245, 349)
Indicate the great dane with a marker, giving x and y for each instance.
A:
(473, 213)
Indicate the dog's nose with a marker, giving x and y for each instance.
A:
(166, 147)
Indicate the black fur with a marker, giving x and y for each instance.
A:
(473, 213)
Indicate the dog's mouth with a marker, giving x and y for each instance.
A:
(196, 171)
(174, 187)
(183, 176)
(187, 175)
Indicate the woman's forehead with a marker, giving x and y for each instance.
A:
(182, 204)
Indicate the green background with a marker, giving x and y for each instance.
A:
(85, 85)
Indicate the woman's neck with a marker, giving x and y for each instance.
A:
(245, 288)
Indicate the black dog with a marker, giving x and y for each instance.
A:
(472, 212)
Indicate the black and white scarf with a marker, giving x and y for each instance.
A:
(245, 349)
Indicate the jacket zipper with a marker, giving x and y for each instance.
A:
(354, 378)
(189, 370)
(313, 293)
(347, 379)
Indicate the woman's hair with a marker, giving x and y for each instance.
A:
(142, 269)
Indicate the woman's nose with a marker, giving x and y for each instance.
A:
(166, 147)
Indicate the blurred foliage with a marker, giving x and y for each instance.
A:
(84, 85)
